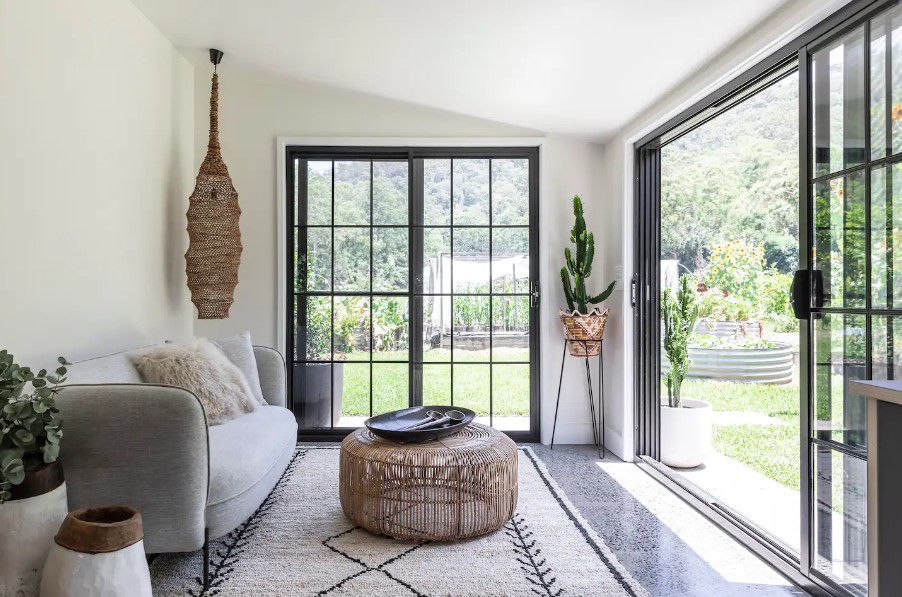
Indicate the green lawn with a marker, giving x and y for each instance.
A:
(772, 450)
(509, 383)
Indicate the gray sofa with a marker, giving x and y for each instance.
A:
(127, 442)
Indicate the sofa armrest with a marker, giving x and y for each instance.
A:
(273, 377)
(142, 445)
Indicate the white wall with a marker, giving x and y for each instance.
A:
(96, 152)
(256, 109)
(616, 193)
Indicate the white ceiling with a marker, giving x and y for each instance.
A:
(584, 67)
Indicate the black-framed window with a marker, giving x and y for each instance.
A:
(413, 274)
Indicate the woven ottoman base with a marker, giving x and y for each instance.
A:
(463, 485)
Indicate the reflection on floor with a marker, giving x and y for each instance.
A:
(502, 423)
(666, 545)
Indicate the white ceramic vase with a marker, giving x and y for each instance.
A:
(98, 553)
(686, 434)
(27, 527)
(120, 573)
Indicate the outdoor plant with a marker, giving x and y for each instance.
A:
(736, 267)
(678, 312)
(30, 425)
(580, 268)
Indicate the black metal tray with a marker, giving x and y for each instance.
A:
(390, 425)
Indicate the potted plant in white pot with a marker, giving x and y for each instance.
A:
(32, 490)
(685, 423)
(583, 328)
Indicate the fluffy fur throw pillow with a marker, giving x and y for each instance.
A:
(201, 368)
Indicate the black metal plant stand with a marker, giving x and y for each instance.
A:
(597, 419)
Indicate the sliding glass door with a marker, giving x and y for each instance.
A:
(847, 293)
(855, 185)
(413, 281)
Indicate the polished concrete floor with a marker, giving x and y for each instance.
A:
(671, 549)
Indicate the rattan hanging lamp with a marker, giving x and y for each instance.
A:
(214, 250)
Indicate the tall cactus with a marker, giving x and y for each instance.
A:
(581, 267)
(679, 313)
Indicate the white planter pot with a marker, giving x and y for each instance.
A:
(686, 434)
(122, 573)
(98, 552)
(27, 527)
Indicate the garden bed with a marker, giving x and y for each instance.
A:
(752, 362)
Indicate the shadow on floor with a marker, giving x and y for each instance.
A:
(671, 549)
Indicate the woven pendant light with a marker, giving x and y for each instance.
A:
(214, 251)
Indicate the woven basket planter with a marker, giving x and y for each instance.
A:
(584, 332)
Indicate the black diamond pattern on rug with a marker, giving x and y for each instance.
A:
(346, 545)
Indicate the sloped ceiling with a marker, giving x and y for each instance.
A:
(583, 67)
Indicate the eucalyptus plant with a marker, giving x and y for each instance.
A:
(679, 313)
(30, 424)
(580, 266)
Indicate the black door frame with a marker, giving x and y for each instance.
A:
(413, 155)
(646, 288)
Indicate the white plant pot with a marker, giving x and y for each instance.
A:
(122, 573)
(27, 527)
(98, 552)
(686, 434)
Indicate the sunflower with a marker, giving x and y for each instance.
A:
(897, 112)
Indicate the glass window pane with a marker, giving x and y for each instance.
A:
(510, 192)
(317, 394)
(390, 387)
(510, 260)
(436, 277)
(319, 259)
(436, 328)
(390, 259)
(437, 192)
(354, 405)
(390, 328)
(886, 351)
(436, 385)
(471, 192)
(886, 84)
(840, 518)
(839, 358)
(510, 397)
(319, 193)
(471, 388)
(839, 110)
(471, 329)
(319, 325)
(471, 269)
(390, 181)
(352, 259)
(352, 193)
(351, 330)
(840, 239)
(510, 328)
(886, 237)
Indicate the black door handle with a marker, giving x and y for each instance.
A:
(800, 294)
(818, 298)
(807, 291)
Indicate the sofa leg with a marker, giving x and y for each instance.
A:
(206, 551)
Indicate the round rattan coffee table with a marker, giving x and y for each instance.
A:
(462, 485)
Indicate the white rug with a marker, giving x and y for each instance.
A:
(300, 543)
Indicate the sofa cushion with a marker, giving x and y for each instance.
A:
(246, 454)
(240, 351)
(201, 368)
(114, 368)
